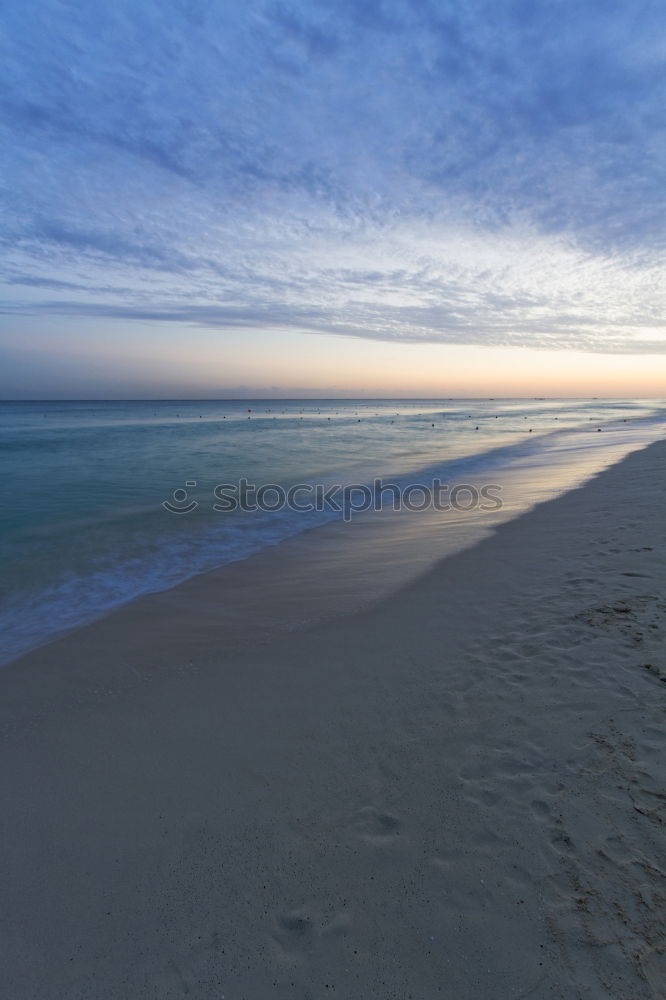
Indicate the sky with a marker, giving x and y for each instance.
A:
(332, 197)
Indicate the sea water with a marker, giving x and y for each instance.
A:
(96, 496)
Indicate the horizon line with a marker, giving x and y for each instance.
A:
(342, 399)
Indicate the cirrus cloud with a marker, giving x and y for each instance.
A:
(421, 171)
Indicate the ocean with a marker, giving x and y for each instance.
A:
(96, 496)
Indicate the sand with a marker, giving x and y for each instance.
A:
(458, 793)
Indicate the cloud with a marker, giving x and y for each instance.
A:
(477, 173)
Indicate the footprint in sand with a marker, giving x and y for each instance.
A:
(377, 827)
(541, 810)
(308, 933)
(294, 933)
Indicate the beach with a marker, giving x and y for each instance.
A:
(457, 792)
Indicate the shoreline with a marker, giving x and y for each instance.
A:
(385, 803)
(377, 553)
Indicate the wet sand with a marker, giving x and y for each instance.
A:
(457, 793)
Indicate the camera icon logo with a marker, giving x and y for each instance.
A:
(179, 500)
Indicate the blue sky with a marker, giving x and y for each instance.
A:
(274, 196)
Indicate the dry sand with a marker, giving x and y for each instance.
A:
(459, 793)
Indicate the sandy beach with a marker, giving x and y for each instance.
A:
(457, 793)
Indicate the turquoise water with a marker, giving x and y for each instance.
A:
(84, 528)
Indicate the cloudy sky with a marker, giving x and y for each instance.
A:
(332, 196)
